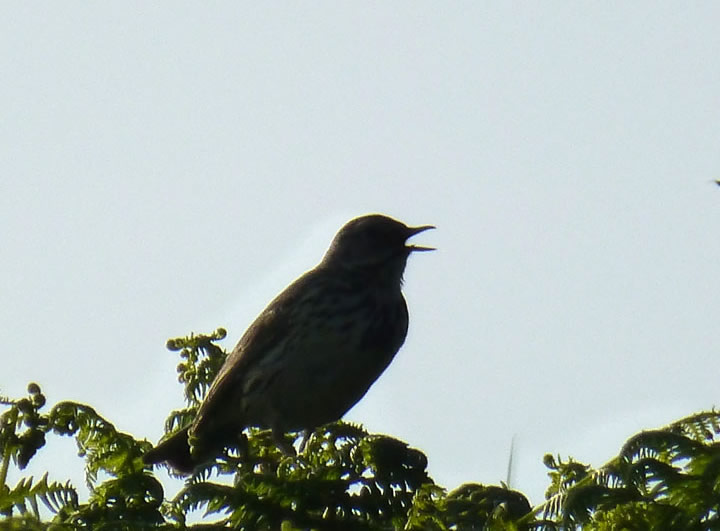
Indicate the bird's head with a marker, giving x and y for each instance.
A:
(374, 244)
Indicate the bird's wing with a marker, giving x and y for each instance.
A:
(256, 355)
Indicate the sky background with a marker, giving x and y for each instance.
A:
(169, 167)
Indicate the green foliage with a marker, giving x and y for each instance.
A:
(130, 495)
(345, 479)
(661, 479)
(470, 506)
(202, 360)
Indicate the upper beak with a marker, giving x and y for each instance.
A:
(412, 231)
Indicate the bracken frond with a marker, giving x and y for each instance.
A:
(55, 496)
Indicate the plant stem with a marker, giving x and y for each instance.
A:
(5, 465)
(7, 451)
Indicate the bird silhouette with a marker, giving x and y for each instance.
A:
(313, 352)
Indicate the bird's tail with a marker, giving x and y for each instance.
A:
(175, 451)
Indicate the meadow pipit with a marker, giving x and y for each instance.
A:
(313, 352)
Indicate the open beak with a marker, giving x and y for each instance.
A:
(412, 231)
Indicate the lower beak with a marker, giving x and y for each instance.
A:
(416, 230)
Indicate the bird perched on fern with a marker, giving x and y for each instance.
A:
(313, 352)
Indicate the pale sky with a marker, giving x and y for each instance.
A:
(169, 167)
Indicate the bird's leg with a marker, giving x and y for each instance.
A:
(285, 447)
(242, 446)
(303, 444)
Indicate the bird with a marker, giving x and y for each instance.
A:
(313, 352)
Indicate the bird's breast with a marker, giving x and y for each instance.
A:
(332, 359)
